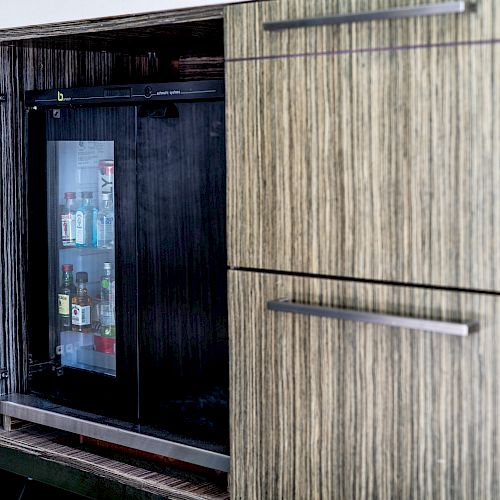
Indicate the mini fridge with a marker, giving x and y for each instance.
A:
(127, 258)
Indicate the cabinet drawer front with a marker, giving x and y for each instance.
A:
(325, 408)
(377, 166)
(246, 36)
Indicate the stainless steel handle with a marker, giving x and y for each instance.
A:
(356, 17)
(444, 327)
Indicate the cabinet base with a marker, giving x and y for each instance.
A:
(25, 407)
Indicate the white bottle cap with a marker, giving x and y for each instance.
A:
(107, 265)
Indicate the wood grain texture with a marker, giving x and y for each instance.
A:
(111, 24)
(245, 36)
(184, 39)
(182, 290)
(59, 459)
(381, 166)
(328, 409)
(12, 228)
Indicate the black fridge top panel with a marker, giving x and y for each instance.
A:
(126, 94)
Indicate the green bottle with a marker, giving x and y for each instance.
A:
(66, 292)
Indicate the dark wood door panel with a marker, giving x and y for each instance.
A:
(183, 358)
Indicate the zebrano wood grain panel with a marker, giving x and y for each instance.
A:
(245, 36)
(46, 68)
(381, 166)
(12, 227)
(329, 409)
(112, 23)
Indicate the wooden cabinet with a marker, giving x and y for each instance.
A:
(246, 37)
(378, 165)
(324, 408)
(367, 151)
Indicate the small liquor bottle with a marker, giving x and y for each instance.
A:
(106, 223)
(66, 293)
(81, 305)
(86, 219)
(68, 220)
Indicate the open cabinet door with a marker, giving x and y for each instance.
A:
(183, 343)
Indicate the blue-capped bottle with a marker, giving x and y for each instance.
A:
(86, 222)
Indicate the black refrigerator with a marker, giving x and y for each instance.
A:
(127, 262)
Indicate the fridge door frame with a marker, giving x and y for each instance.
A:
(116, 397)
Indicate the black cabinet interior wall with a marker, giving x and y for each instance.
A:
(167, 372)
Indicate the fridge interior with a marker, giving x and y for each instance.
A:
(86, 167)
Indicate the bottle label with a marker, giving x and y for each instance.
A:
(80, 315)
(106, 315)
(105, 184)
(63, 301)
(105, 288)
(68, 228)
(80, 228)
(105, 230)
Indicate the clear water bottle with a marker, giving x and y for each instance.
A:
(106, 223)
(86, 222)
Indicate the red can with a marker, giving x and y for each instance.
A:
(106, 345)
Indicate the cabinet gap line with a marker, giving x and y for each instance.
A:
(362, 280)
(366, 50)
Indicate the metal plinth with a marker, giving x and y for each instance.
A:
(150, 444)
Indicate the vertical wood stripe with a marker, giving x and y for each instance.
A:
(100, 26)
(245, 36)
(12, 231)
(382, 166)
(329, 409)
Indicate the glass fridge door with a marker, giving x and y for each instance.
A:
(86, 254)
(84, 177)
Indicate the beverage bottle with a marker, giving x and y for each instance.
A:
(106, 223)
(65, 295)
(107, 305)
(105, 179)
(81, 305)
(68, 220)
(86, 219)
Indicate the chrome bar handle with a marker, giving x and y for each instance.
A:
(374, 15)
(443, 327)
